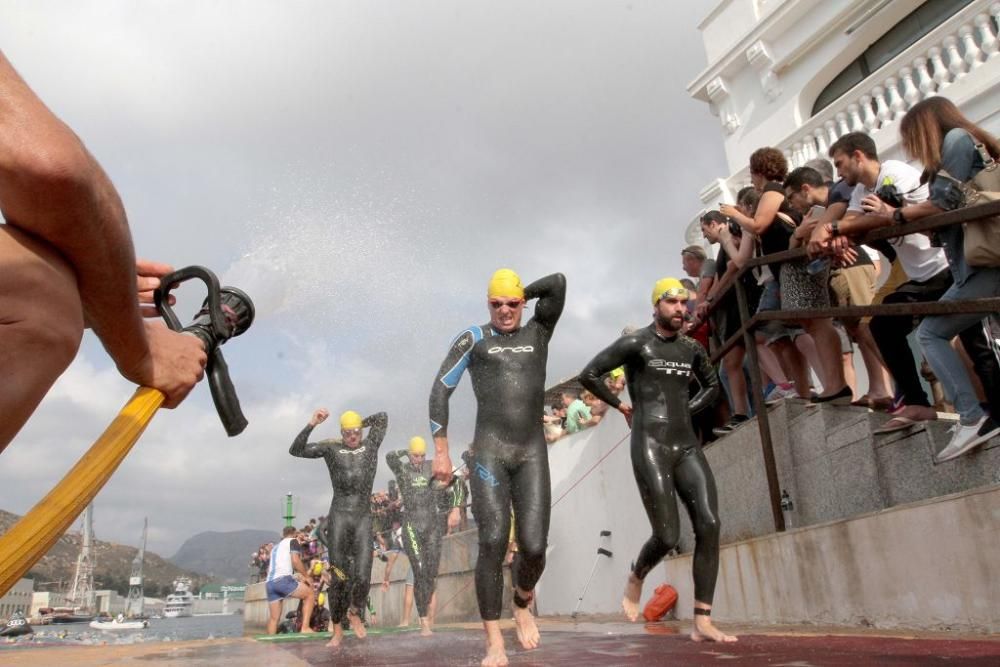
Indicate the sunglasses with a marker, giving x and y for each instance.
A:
(496, 304)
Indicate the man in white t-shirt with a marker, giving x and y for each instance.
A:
(881, 190)
(286, 559)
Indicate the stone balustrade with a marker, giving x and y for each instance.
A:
(945, 56)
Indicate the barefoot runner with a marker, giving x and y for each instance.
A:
(666, 458)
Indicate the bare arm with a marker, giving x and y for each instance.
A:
(52, 188)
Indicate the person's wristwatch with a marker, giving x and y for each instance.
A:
(835, 228)
(897, 215)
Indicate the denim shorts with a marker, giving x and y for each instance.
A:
(774, 330)
(281, 588)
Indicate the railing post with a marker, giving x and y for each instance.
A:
(760, 409)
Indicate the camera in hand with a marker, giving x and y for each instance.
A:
(890, 194)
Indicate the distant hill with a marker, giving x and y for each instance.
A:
(113, 565)
(224, 557)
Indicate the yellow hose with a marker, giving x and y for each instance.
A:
(30, 538)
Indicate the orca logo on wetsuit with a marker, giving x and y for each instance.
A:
(670, 367)
(352, 451)
(486, 475)
(516, 350)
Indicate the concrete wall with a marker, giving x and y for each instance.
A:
(929, 565)
(17, 598)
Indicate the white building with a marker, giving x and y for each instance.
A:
(798, 74)
(17, 599)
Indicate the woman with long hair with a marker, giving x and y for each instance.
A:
(937, 134)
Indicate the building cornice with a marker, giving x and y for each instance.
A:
(769, 27)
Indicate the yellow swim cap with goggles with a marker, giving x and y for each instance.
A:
(350, 420)
(418, 446)
(669, 287)
(505, 283)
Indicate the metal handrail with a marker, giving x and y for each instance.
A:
(748, 321)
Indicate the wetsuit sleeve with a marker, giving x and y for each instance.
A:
(309, 450)
(378, 423)
(610, 358)
(707, 378)
(395, 459)
(448, 376)
(551, 294)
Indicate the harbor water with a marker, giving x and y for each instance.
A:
(209, 626)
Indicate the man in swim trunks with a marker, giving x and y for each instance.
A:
(352, 461)
(509, 463)
(286, 559)
(666, 458)
(422, 528)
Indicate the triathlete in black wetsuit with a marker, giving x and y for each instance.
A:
(422, 526)
(352, 462)
(509, 459)
(659, 364)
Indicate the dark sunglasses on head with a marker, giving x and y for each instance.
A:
(497, 304)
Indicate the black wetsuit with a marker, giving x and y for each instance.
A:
(510, 462)
(422, 525)
(349, 527)
(665, 451)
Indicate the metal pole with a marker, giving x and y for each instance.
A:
(760, 409)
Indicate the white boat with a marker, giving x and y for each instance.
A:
(120, 623)
(181, 601)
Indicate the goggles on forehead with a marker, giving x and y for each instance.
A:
(675, 293)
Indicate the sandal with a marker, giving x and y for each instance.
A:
(895, 424)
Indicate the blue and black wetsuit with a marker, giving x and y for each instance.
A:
(349, 527)
(665, 451)
(510, 463)
(422, 524)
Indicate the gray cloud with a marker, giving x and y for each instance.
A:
(360, 168)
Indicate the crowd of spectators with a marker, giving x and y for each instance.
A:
(574, 411)
(812, 358)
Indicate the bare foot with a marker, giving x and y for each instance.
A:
(306, 631)
(425, 628)
(527, 631)
(633, 593)
(495, 655)
(704, 631)
(337, 638)
(356, 625)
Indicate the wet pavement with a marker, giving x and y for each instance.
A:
(563, 643)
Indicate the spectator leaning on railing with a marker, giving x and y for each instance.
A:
(798, 288)
(852, 283)
(937, 134)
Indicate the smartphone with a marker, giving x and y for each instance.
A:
(816, 211)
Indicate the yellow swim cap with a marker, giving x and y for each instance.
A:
(350, 420)
(417, 445)
(669, 287)
(505, 283)
(617, 372)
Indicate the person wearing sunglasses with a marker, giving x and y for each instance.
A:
(352, 460)
(507, 363)
(660, 364)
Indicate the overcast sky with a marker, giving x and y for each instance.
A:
(360, 169)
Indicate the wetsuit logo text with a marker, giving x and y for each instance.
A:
(359, 450)
(670, 367)
(486, 475)
(516, 350)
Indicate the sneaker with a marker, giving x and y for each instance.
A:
(965, 438)
(780, 393)
(734, 422)
(842, 397)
